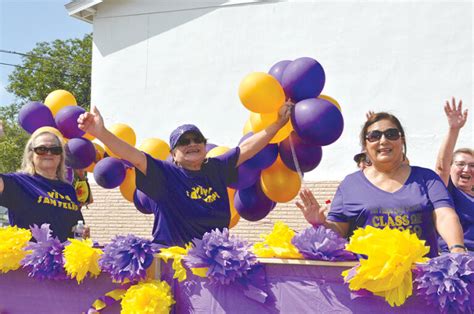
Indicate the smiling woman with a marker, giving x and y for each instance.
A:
(39, 193)
(389, 193)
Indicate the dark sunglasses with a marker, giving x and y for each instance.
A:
(185, 141)
(390, 134)
(43, 150)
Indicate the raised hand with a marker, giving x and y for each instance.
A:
(91, 122)
(455, 115)
(1, 129)
(369, 114)
(312, 211)
(284, 113)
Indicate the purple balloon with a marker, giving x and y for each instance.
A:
(252, 204)
(307, 154)
(35, 115)
(143, 203)
(66, 120)
(317, 120)
(264, 158)
(303, 78)
(246, 177)
(278, 68)
(80, 153)
(210, 146)
(109, 172)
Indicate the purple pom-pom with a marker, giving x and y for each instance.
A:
(320, 243)
(46, 260)
(127, 257)
(448, 282)
(228, 258)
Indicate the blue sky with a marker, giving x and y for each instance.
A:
(24, 23)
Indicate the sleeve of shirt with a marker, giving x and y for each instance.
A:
(437, 191)
(10, 189)
(337, 213)
(228, 164)
(153, 182)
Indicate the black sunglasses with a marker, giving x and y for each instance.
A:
(390, 134)
(185, 141)
(43, 150)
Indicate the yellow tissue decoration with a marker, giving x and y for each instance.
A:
(152, 296)
(80, 258)
(277, 243)
(391, 255)
(13, 240)
(176, 253)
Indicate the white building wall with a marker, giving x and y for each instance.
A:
(158, 64)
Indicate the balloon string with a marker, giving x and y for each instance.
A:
(297, 164)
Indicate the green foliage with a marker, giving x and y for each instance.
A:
(13, 143)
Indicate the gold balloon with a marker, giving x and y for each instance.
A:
(157, 148)
(123, 132)
(128, 187)
(89, 137)
(234, 215)
(217, 151)
(260, 92)
(58, 99)
(260, 121)
(279, 183)
(247, 127)
(331, 100)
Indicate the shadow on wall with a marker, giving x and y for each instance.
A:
(119, 25)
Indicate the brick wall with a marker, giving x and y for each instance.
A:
(111, 215)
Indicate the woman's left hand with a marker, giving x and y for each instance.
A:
(284, 113)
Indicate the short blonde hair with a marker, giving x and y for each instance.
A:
(463, 150)
(27, 165)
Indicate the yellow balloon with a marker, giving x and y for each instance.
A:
(279, 183)
(234, 215)
(217, 151)
(50, 129)
(260, 121)
(260, 92)
(331, 100)
(89, 137)
(123, 132)
(247, 127)
(128, 187)
(58, 99)
(157, 148)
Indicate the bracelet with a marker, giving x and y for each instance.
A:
(457, 246)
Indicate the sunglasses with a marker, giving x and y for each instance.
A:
(185, 141)
(462, 164)
(390, 134)
(43, 150)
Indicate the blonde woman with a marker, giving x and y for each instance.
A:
(39, 192)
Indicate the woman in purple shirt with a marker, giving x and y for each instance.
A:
(389, 192)
(457, 172)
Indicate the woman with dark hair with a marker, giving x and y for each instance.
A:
(456, 169)
(389, 192)
(39, 192)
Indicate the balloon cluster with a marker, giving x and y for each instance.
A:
(275, 173)
(58, 114)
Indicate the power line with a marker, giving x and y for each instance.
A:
(44, 58)
(39, 70)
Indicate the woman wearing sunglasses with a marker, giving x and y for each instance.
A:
(457, 172)
(389, 192)
(39, 192)
(190, 194)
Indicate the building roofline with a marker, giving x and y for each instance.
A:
(83, 10)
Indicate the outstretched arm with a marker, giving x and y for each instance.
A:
(449, 228)
(314, 213)
(456, 120)
(93, 123)
(258, 141)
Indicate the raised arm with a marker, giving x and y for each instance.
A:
(258, 141)
(314, 213)
(93, 123)
(456, 120)
(449, 228)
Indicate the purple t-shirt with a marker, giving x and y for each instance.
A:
(464, 206)
(360, 203)
(188, 203)
(33, 199)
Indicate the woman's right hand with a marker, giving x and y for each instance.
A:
(456, 117)
(312, 211)
(91, 122)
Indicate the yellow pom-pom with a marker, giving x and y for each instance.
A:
(277, 243)
(176, 253)
(13, 240)
(391, 254)
(152, 297)
(80, 258)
